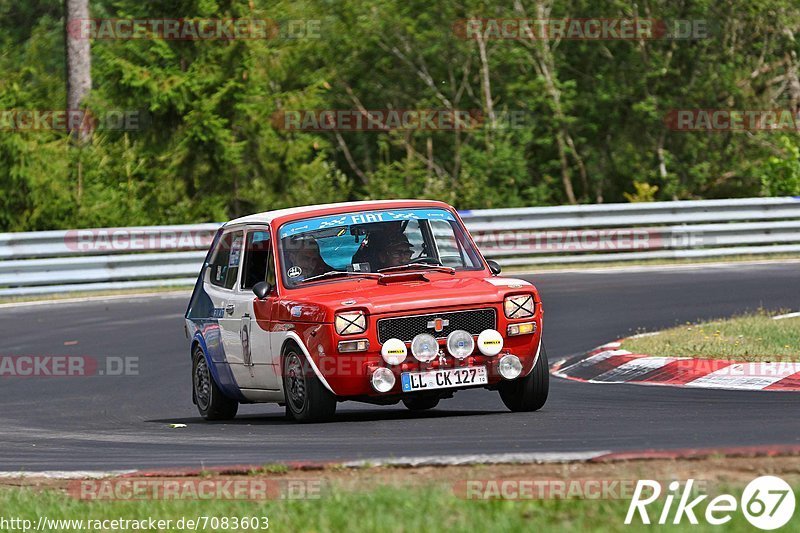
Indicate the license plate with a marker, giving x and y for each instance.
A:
(443, 379)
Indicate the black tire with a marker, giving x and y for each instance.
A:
(528, 393)
(421, 403)
(307, 399)
(212, 404)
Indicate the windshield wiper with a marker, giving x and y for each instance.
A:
(338, 273)
(415, 266)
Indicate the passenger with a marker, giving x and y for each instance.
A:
(306, 260)
(395, 252)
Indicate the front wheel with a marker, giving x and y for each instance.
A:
(528, 393)
(307, 399)
(212, 404)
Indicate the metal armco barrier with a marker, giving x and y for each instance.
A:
(157, 256)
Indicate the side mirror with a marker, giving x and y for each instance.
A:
(262, 290)
(494, 266)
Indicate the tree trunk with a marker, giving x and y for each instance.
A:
(486, 80)
(545, 66)
(79, 69)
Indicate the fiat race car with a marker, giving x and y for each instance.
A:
(379, 302)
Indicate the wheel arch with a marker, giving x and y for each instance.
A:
(292, 339)
(539, 348)
(194, 347)
(227, 385)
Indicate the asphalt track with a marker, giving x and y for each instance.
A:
(108, 423)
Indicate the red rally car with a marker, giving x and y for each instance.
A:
(379, 302)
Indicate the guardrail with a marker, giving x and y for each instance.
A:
(161, 256)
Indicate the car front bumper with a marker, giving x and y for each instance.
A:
(349, 375)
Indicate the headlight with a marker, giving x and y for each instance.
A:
(351, 323)
(460, 344)
(519, 306)
(424, 347)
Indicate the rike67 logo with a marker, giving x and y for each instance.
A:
(767, 502)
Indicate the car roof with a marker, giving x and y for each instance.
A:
(293, 213)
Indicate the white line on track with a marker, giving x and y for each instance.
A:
(88, 299)
(500, 458)
(587, 270)
(65, 474)
(647, 334)
(655, 268)
(431, 460)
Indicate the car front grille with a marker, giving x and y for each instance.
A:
(407, 327)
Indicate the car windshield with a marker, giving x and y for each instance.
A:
(370, 241)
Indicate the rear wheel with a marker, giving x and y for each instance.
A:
(528, 393)
(421, 403)
(307, 399)
(212, 404)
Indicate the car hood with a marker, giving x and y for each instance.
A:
(409, 295)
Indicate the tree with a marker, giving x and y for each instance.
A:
(79, 68)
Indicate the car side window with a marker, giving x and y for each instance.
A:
(224, 265)
(271, 278)
(258, 259)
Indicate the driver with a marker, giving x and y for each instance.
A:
(397, 251)
(306, 260)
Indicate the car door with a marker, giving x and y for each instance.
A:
(222, 282)
(255, 316)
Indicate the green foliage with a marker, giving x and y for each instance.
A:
(209, 148)
(781, 173)
(644, 192)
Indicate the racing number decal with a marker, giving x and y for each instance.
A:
(247, 354)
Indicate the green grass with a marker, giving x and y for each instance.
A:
(746, 338)
(384, 508)
(271, 468)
